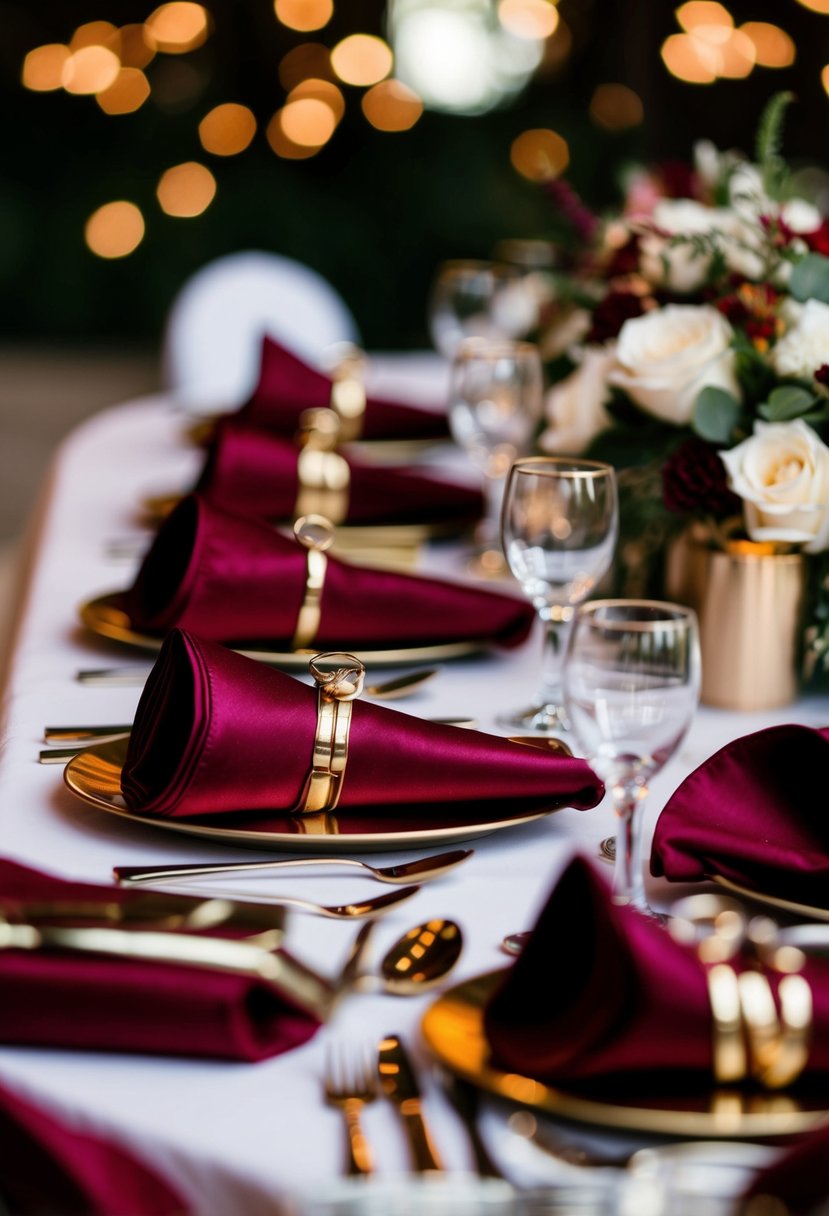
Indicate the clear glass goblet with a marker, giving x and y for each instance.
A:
(559, 524)
(495, 406)
(631, 686)
(475, 299)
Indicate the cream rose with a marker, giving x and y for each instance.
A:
(679, 266)
(575, 407)
(782, 475)
(805, 346)
(665, 358)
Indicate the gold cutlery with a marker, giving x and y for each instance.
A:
(178, 913)
(349, 1086)
(464, 1098)
(422, 869)
(355, 910)
(421, 958)
(384, 690)
(399, 1084)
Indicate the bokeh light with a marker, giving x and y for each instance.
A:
(616, 107)
(179, 27)
(816, 6)
(528, 18)
(320, 90)
(362, 59)
(137, 46)
(540, 154)
(127, 93)
(227, 129)
(282, 145)
(43, 67)
(114, 230)
(737, 56)
(304, 15)
(702, 15)
(309, 59)
(90, 70)
(308, 122)
(186, 190)
(773, 48)
(689, 59)
(392, 106)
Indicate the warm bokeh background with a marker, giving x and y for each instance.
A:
(374, 210)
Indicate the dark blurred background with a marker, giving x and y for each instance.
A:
(373, 210)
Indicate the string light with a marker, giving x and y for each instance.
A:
(540, 154)
(114, 230)
(179, 27)
(186, 190)
(392, 106)
(127, 93)
(282, 145)
(90, 70)
(616, 107)
(773, 48)
(362, 59)
(304, 15)
(43, 67)
(227, 129)
(528, 18)
(309, 59)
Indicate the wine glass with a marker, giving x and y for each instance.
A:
(559, 525)
(475, 299)
(631, 687)
(495, 405)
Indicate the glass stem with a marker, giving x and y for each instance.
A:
(628, 874)
(556, 621)
(489, 529)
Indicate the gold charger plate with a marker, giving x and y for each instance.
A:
(804, 911)
(200, 432)
(453, 1029)
(104, 617)
(94, 776)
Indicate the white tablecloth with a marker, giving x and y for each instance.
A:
(240, 1137)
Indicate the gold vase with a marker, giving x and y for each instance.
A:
(749, 599)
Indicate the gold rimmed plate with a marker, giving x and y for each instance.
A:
(94, 776)
(105, 617)
(774, 902)
(201, 429)
(454, 1032)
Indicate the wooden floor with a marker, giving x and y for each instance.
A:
(45, 392)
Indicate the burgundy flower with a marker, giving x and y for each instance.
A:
(694, 482)
(818, 241)
(610, 315)
(822, 375)
(565, 199)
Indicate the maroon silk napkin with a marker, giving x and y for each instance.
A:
(235, 579)
(287, 386)
(254, 472)
(754, 813)
(602, 994)
(798, 1180)
(102, 1003)
(216, 732)
(48, 1168)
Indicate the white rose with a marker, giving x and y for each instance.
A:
(805, 346)
(782, 475)
(679, 267)
(665, 358)
(800, 215)
(575, 406)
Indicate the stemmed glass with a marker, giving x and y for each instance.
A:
(495, 403)
(475, 299)
(631, 687)
(559, 526)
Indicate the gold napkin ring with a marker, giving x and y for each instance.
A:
(323, 474)
(339, 679)
(727, 1044)
(792, 1056)
(760, 1020)
(316, 533)
(348, 394)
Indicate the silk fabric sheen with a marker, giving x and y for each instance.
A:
(99, 1003)
(753, 813)
(254, 472)
(287, 386)
(233, 579)
(627, 1000)
(216, 732)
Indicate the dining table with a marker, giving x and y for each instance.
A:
(260, 1137)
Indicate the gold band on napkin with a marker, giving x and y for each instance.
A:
(348, 394)
(316, 533)
(339, 679)
(323, 474)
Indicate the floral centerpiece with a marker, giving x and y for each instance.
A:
(696, 325)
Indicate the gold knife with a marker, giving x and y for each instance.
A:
(399, 1084)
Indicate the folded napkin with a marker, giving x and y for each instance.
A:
(236, 579)
(103, 1003)
(216, 732)
(255, 473)
(602, 994)
(753, 813)
(48, 1167)
(287, 386)
(796, 1183)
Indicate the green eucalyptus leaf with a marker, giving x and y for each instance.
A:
(786, 402)
(810, 278)
(715, 414)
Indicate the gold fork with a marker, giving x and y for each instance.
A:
(349, 1085)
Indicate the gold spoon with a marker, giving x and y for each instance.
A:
(385, 690)
(421, 958)
(422, 869)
